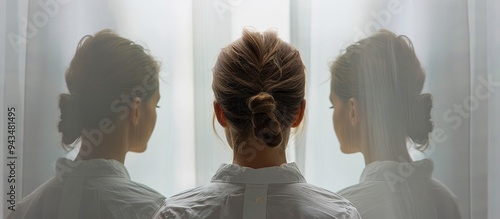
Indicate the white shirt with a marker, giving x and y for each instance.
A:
(401, 190)
(97, 189)
(240, 192)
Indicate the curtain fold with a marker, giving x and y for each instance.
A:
(479, 109)
(211, 31)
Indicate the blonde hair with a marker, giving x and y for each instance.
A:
(259, 82)
(104, 67)
(384, 74)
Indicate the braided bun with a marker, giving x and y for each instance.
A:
(70, 124)
(421, 125)
(264, 121)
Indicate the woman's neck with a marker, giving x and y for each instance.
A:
(395, 150)
(259, 157)
(106, 149)
(399, 156)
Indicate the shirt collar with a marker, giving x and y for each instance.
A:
(91, 168)
(232, 173)
(390, 170)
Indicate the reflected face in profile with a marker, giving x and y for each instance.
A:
(147, 121)
(342, 124)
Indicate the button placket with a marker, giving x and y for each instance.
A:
(255, 203)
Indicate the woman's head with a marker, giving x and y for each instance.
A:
(259, 87)
(376, 91)
(111, 82)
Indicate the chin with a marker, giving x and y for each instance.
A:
(139, 149)
(347, 150)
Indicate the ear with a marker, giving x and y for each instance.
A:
(220, 115)
(134, 111)
(353, 111)
(300, 114)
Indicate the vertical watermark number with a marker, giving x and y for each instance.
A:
(11, 158)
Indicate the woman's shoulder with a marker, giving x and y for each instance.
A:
(109, 178)
(310, 201)
(125, 192)
(204, 201)
(110, 196)
(440, 188)
(209, 194)
(365, 188)
(427, 195)
(309, 191)
(445, 199)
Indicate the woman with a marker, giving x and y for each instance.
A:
(376, 91)
(259, 86)
(111, 110)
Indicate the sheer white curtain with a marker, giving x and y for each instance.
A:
(484, 107)
(456, 41)
(493, 68)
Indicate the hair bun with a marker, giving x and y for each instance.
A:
(263, 102)
(264, 120)
(70, 125)
(421, 124)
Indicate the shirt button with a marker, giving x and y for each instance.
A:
(259, 199)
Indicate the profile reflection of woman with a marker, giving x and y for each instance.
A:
(111, 109)
(378, 107)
